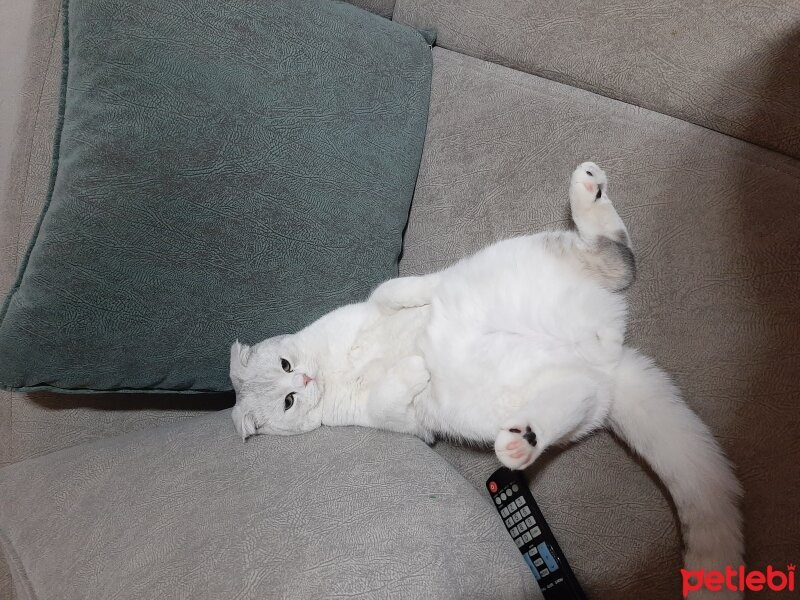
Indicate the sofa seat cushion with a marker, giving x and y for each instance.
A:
(714, 226)
(189, 511)
(234, 174)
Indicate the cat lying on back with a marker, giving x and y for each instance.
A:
(520, 345)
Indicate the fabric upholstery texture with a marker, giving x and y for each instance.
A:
(35, 424)
(24, 155)
(338, 512)
(208, 191)
(384, 8)
(728, 66)
(714, 227)
(711, 220)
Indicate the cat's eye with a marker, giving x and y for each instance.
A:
(589, 173)
(286, 365)
(288, 402)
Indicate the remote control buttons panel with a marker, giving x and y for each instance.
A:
(522, 526)
(533, 537)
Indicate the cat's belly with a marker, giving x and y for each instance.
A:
(488, 337)
(383, 342)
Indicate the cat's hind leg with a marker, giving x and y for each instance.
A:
(604, 249)
(563, 407)
(592, 210)
(404, 292)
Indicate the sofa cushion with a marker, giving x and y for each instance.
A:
(188, 511)
(384, 8)
(732, 68)
(714, 226)
(234, 174)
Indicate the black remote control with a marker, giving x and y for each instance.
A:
(533, 536)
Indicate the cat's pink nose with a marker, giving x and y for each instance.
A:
(306, 379)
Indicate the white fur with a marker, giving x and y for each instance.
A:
(522, 339)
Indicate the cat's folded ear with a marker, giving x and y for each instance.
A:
(240, 353)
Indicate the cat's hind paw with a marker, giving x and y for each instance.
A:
(592, 210)
(516, 446)
(588, 185)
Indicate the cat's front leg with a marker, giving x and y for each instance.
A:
(404, 292)
(562, 406)
(390, 404)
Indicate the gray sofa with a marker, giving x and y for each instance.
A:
(693, 110)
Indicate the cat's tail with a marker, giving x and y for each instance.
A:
(648, 413)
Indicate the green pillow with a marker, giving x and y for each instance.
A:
(222, 170)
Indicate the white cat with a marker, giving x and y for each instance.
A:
(521, 345)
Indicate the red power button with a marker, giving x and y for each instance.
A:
(493, 487)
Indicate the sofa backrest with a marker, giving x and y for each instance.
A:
(730, 66)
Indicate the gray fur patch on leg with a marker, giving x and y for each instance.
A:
(611, 262)
(618, 261)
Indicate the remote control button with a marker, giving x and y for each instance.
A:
(525, 511)
(514, 488)
(509, 522)
(518, 542)
(503, 496)
(526, 537)
(544, 551)
(533, 551)
(504, 512)
(517, 517)
(498, 501)
(536, 532)
(522, 526)
(538, 562)
(530, 522)
(514, 532)
(520, 502)
(493, 487)
(545, 572)
(532, 568)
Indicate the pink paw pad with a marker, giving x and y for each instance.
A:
(515, 446)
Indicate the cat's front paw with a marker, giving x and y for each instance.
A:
(413, 373)
(403, 292)
(388, 297)
(516, 446)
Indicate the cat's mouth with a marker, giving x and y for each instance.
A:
(317, 382)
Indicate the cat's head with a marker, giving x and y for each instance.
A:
(277, 388)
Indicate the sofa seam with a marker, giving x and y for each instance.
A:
(35, 124)
(22, 265)
(19, 575)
